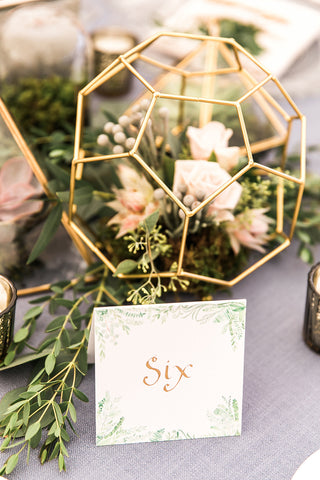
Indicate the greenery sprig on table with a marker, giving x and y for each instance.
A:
(43, 413)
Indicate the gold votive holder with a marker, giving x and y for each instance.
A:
(311, 328)
(8, 298)
(108, 44)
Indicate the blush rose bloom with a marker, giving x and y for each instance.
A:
(213, 137)
(17, 191)
(133, 203)
(204, 178)
(250, 229)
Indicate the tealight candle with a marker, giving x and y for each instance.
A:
(311, 329)
(108, 44)
(8, 297)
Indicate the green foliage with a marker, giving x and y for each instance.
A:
(40, 414)
(41, 104)
(256, 193)
(244, 34)
(49, 229)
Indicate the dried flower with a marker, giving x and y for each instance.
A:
(17, 191)
(249, 229)
(204, 178)
(134, 202)
(213, 137)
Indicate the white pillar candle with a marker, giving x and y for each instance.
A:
(316, 280)
(5, 293)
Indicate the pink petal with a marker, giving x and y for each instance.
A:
(19, 192)
(16, 170)
(26, 209)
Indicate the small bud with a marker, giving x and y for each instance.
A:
(117, 128)
(103, 140)
(108, 127)
(163, 112)
(144, 104)
(124, 121)
(135, 108)
(118, 149)
(135, 118)
(119, 137)
(195, 205)
(129, 143)
(158, 194)
(188, 200)
(181, 214)
(149, 122)
(200, 195)
(182, 187)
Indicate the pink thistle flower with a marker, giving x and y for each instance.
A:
(250, 229)
(133, 203)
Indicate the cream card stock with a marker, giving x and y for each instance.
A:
(169, 371)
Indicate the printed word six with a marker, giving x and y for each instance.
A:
(173, 373)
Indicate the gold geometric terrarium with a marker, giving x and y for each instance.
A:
(213, 80)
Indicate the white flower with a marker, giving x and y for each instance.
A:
(205, 178)
(213, 137)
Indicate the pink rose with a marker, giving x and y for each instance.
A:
(213, 137)
(17, 191)
(201, 179)
(249, 229)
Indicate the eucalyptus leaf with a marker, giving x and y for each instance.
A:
(50, 363)
(126, 266)
(12, 463)
(32, 313)
(32, 430)
(22, 359)
(49, 229)
(151, 221)
(8, 398)
(21, 335)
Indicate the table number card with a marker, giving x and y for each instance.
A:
(169, 371)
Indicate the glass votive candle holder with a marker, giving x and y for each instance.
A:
(311, 328)
(108, 44)
(8, 298)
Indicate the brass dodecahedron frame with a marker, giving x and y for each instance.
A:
(237, 59)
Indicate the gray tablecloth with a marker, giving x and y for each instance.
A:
(281, 409)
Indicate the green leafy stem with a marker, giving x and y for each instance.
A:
(44, 410)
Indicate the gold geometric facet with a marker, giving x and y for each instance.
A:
(40, 176)
(209, 63)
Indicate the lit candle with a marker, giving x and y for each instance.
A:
(5, 293)
(108, 44)
(8, 297)
(311, 328)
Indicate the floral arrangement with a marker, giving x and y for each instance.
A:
(193, 164)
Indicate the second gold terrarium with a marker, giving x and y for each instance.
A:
(206, 146)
